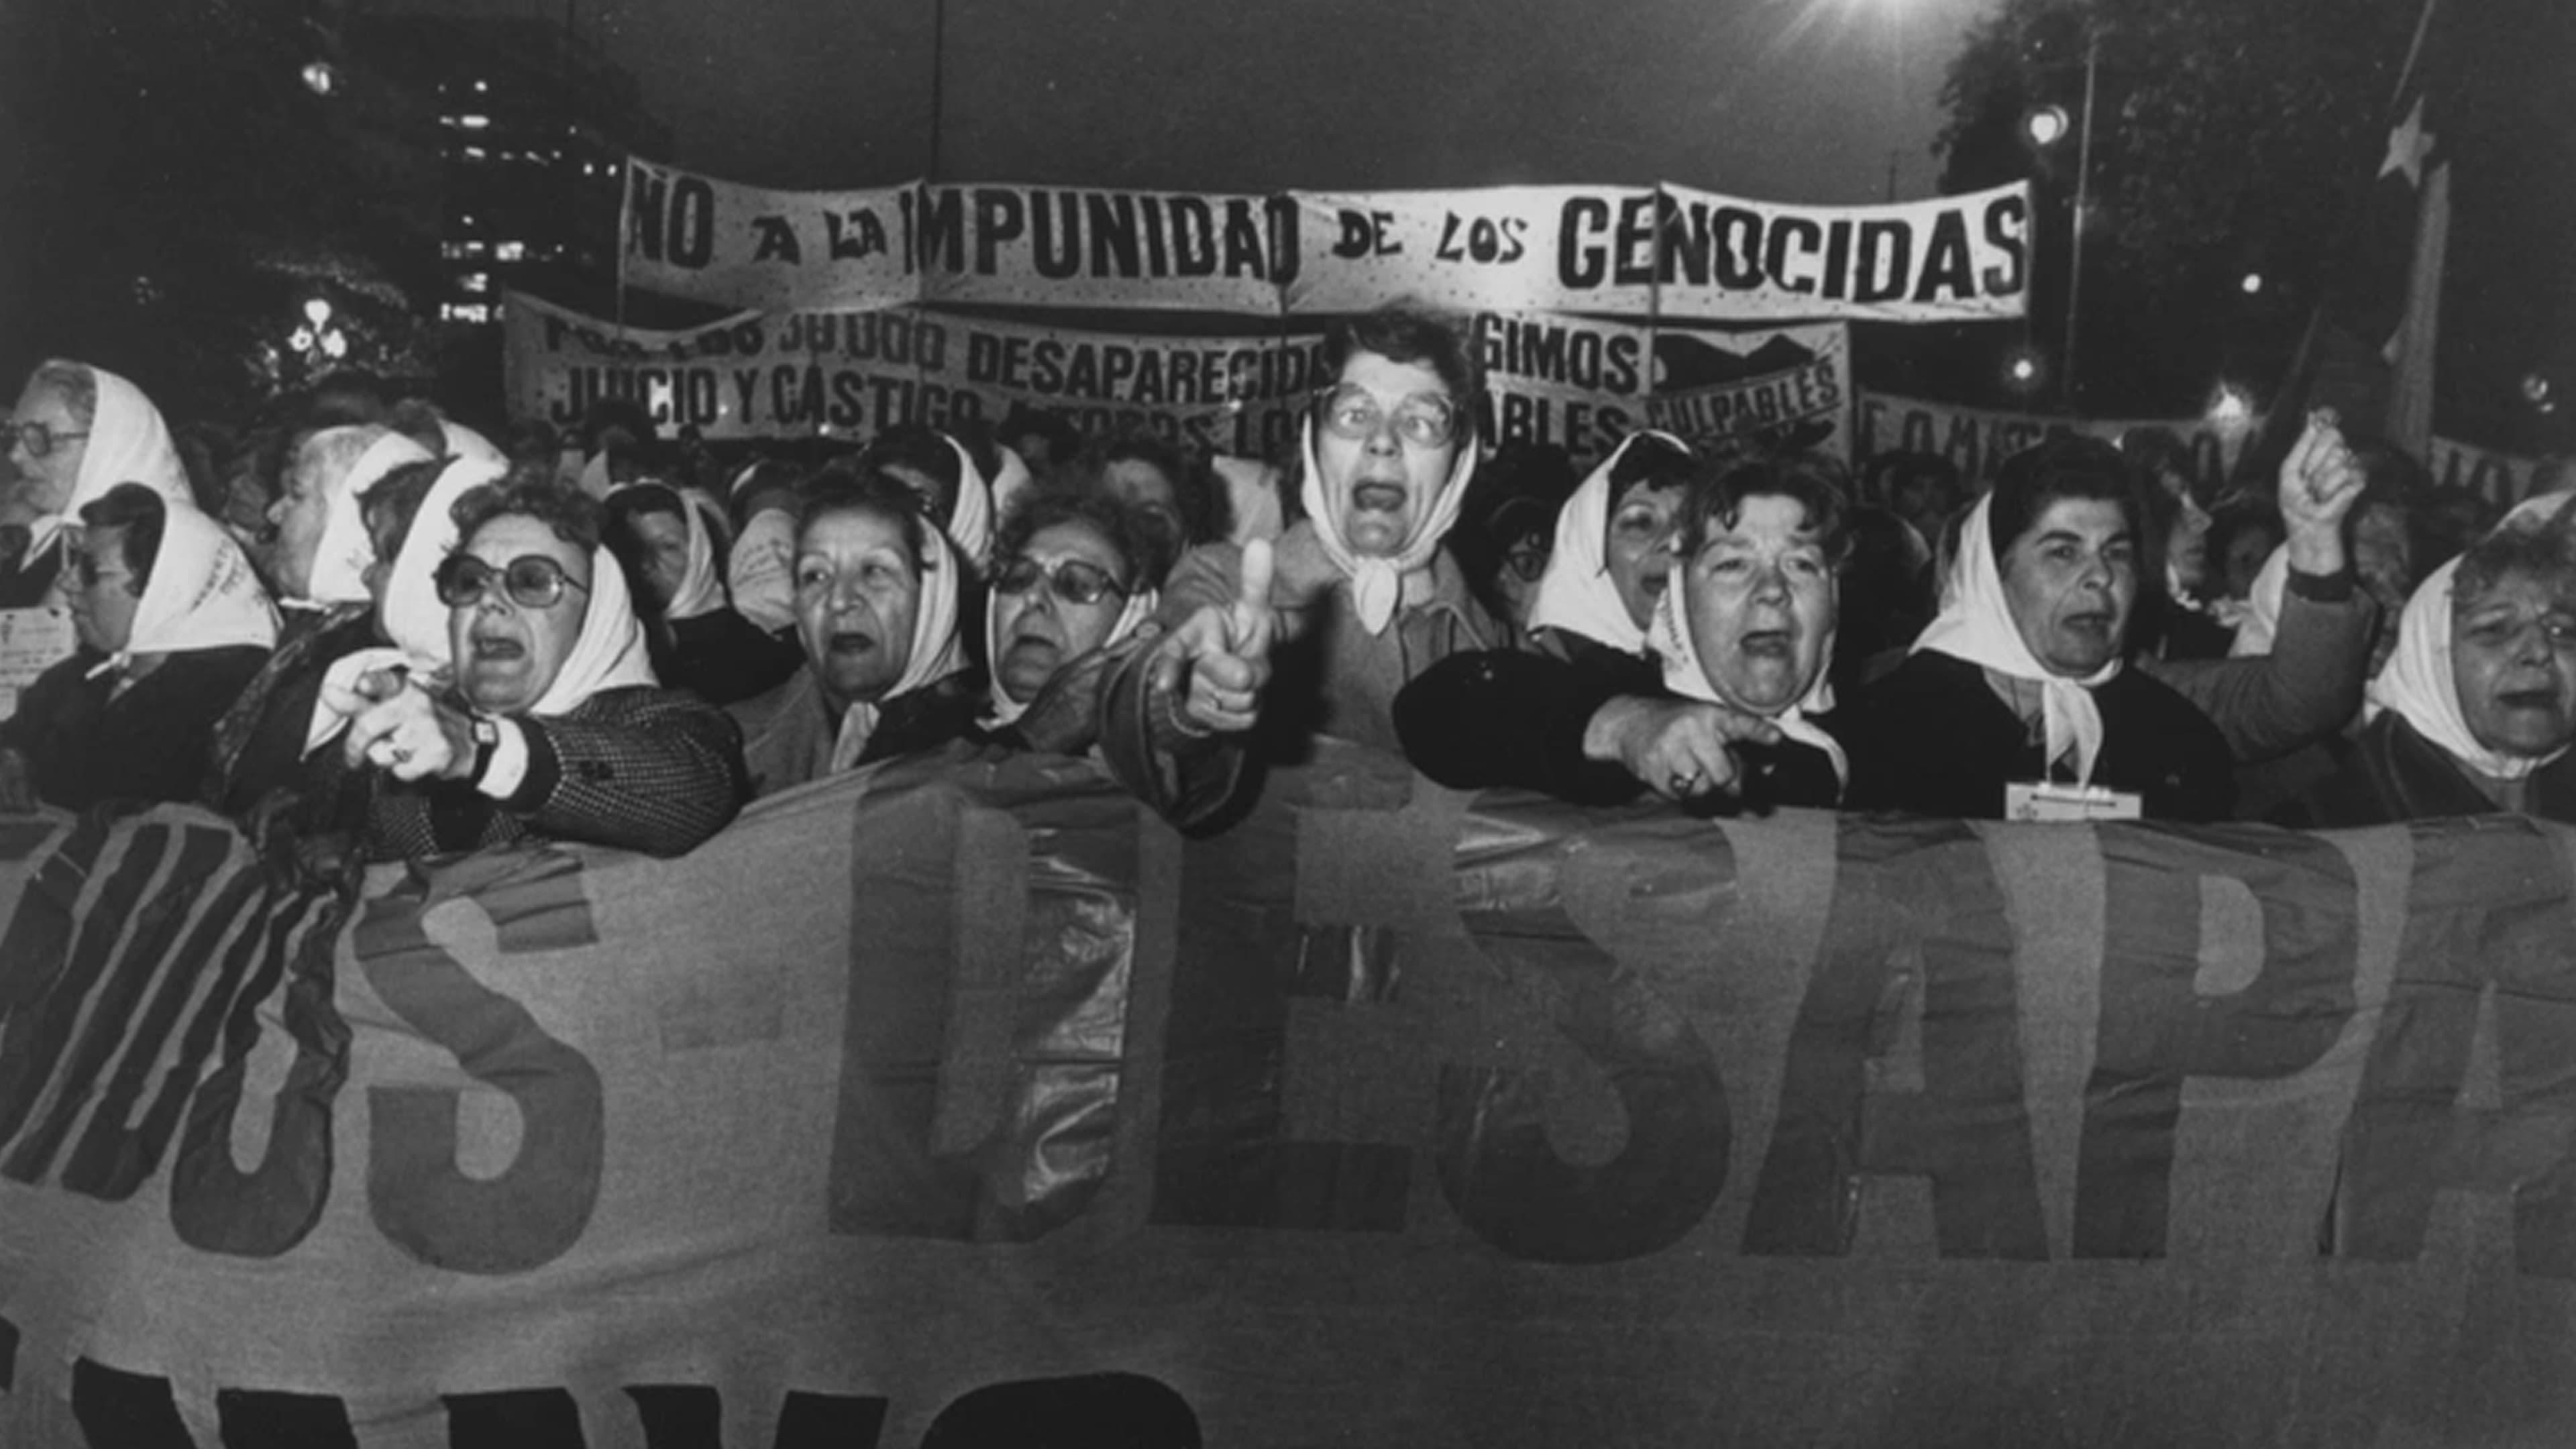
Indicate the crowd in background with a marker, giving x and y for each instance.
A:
(367, 631)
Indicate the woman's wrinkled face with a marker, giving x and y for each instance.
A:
(1639, 546)
(1037, 629)
(508, 652)
(1385, 441)
(2513, 661)
(858, 592)
(102, 592)
(2070, 580)
(1761, 600)
(42, 486)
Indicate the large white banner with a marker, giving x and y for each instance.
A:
(1723, 257)
(1628, 251)
(687, 235)
(1497, 247)
(848, 374)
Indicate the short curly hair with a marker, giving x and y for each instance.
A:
(575, 517)
(1716, 495)
(1146, 550)
(838, 490)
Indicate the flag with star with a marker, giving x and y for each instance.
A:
(2368, 352)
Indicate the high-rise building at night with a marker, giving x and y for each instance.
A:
(534, 126)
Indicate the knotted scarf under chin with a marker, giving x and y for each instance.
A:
(1976, 625)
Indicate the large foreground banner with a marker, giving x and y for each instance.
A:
(1663, 251)
(966, 1102)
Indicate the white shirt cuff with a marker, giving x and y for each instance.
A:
(509, 762)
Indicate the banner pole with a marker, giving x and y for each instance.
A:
(625, 234)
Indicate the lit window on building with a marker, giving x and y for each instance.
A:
(509, 251)
(474, 123)
(473, 153)
(482, 86)
(465, 312)
(477, 282)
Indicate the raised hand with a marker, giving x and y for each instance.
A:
(1214, 666)
(2320, 482)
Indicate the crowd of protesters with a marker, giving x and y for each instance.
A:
(368, 632)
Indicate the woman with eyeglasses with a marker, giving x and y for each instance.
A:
(77, 432)
(549, 725)
(878, 588)
(172, 623)
(1076, 574)
(1364, 594)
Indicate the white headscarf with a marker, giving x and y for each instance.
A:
(936, 651)
(1576, 594)
(701, 592)
(411, 616)
(610, 653)
(202, 595)
(464, 442)
(1010, 476)
(1377, 584)
(1006, 710)
(1976, 625)
(340, 560)
(970, 519)
(1669, 637)
(761, 569)
(2418, 682)
(128, 443)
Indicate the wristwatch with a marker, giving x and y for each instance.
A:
(487, 743)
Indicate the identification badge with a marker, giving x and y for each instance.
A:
(2034, 800)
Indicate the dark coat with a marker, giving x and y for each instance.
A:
(148, 743)
(1506, 718)
(1931, 738)
(789, 732)
(653, 770)
(2388, 773)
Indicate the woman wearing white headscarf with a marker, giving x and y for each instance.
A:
(1726, 711)
(671, 542)
(549, 724)
(1364, 597)
(877, 598)
(78, 431)
(2476, 708)
(1613, 552)
(2016, 702)
(320, 561)
(172, 622)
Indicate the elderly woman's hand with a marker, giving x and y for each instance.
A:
(2320, 482)
(410, 733)
(1215, 665)
(1676, 748)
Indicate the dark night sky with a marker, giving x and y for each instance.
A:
(1792, 100)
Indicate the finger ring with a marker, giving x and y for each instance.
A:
(1683, 783)
(401, 755)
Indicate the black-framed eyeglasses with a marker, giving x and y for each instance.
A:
(1073, 580)
(38, 439)
(1425, 419)
(533, 581)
